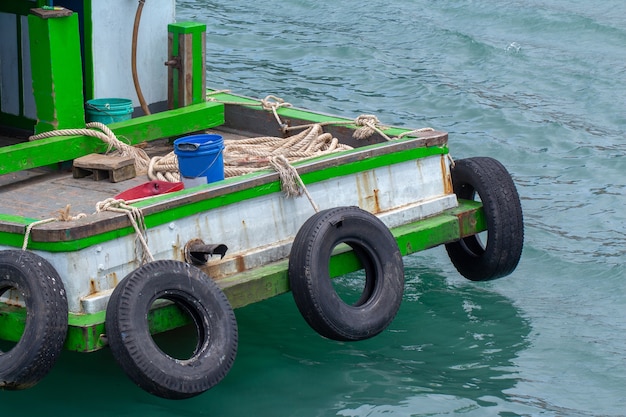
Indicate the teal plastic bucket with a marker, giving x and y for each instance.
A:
(200, 159)
(108, 110)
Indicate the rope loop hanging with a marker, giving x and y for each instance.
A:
(137, 221)
(290, 181)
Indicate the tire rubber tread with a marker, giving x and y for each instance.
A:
(311, 284)
(136, 352)
(489, 179)
(43, 292)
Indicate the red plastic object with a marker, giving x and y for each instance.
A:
(149, 189)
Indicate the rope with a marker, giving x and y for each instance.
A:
(273, 103)
(106, 135)
(64, 215)
(413, 132)
(136, 219)
(290, 181)
(242, 156)
(164, 168)
(368, 124)
(452, 163)
(119, 206)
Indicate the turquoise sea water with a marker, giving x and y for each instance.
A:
(539, 85)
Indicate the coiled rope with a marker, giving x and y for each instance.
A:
(242, 156)
(164, 168)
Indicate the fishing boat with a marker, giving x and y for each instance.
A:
(124, 218)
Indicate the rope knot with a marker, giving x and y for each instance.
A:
(111, 204)
(369, 124)
(65, 216)
(272, 102)
(366, 120)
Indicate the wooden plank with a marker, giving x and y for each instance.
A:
(170, 123)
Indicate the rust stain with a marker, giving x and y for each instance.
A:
(93, 287)
(467, 223)
(376, 202)
(178, 252)
(113, 279)
(240, 263)
(447, 178)
(367, 200)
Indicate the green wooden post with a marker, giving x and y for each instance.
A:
(186, 64)
(56, 69)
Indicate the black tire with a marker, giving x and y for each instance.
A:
(490, 181)
(310, 280)
(137, 353)
(41, 289)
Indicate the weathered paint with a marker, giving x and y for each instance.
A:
(86, 330)
(267, 233)
(186, 64)
(163, 209)
(57, 72)
(165, 124)
(111, 24)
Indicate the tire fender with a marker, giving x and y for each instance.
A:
(137, 353)
(41, 289)
(310, 281)
(487, 179)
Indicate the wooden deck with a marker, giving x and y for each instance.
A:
(40, 193)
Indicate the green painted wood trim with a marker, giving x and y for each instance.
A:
(265, 282)
(85, 332)
(186, 27)
(12, 322)
(57, 72)
(160, 125)
(295, 113)
(198, 75)
(181, 211)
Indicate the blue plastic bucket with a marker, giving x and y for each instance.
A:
(108, 110)
(200, 159)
